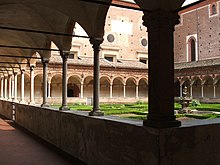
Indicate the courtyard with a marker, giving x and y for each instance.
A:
(139, 110)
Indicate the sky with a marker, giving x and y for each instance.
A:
(188, 2)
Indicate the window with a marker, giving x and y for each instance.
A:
(143, 60)
(111, 38)
(110, 59)
(193, 49)
(144, 42)
(213, 9)
(71, 56)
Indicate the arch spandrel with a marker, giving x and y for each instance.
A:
(207, 78)
(107, 78)
(120, 78)
(77, 77)
(142, 79)
(132, 79)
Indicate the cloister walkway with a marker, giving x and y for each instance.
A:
(19, 148)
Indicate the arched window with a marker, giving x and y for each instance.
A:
(213, 9)
(192, 49)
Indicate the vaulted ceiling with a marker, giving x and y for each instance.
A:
(56, 16)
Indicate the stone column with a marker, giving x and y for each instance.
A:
(15, 86)
(96, 42)
(214, 90)
(191, 90)
(45, 68)
(22, 86)
(49, 86)
(2, 87)
(202, 90)
(181, 90)
(110, 90)
(9, 86)
(64, 56)
(124, 90)
(6, 87)
(81, 91)
(31, 85)
(137, 91)
(12, 89)
(160, 25)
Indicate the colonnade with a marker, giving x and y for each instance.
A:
(203, 86)
(109, 88)
(160, 25)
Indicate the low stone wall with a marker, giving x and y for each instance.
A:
(112, 141)
(6, 109)
(90, 139)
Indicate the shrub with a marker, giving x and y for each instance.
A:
(195, 103)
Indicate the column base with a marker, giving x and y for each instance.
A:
(22, 102)
(31, 103)
(15, 100)
(161, 124)
(45, 105)
(96, 113)
(64, 108)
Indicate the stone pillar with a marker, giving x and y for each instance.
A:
(96, 42)
(214, 90)
(12, 89)
(181, 90)
(2, 87)
(110, 90)
(160, 25)
(31, 85)
(137, 91)
(22, 86)
(49, 86)
(191, 90)
(64, 56)
(81, 91)
(124, 90)
(202, 91)
(6, 87)
(9, 86)
(15, 86)
(45, 68)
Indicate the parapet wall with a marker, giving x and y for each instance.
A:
(113, 141)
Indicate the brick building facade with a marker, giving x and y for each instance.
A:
(197, 50)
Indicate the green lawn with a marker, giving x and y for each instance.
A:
(139, 110)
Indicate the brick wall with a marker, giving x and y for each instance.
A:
(197, 20)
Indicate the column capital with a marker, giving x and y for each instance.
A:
(15, 73)
(96, 41)
(31, 68)
(22, 71)
(45, 60)
(64, 54)
(158, 19)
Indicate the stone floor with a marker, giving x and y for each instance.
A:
(19, 148)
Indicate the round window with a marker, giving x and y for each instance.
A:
(144, 42)
(110, 38)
